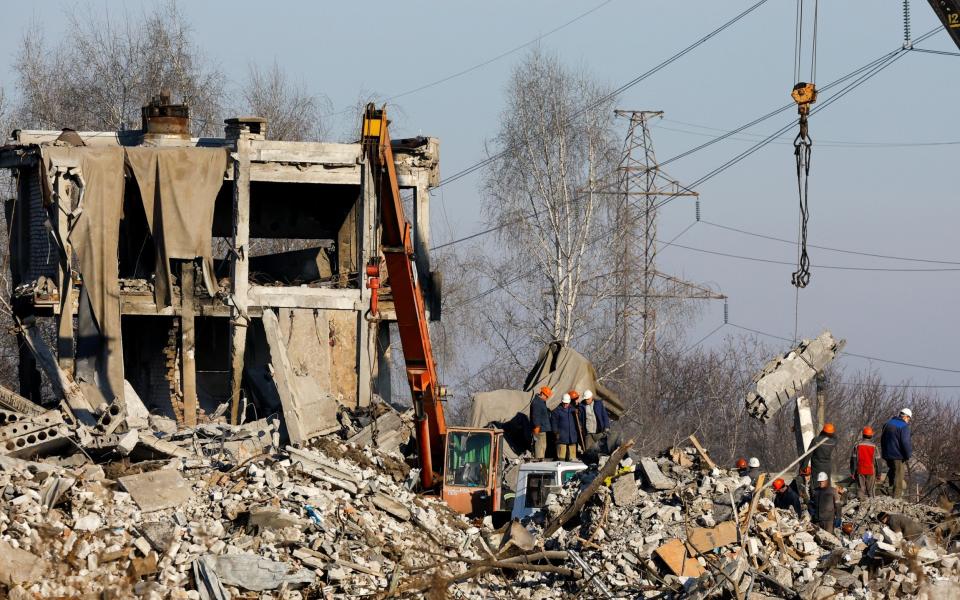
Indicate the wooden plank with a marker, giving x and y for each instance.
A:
(702, 452)
(674, 554)
(753, 503)
(705, 539)
(284, 378)
(239, 272)
(188, 363)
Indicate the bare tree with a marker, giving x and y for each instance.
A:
(292, 112)
(106, 68)
(557, 138)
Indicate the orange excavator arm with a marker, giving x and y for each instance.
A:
(397, 247)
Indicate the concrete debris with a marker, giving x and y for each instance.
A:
(157, 490)
(224, 512)
(784, 376)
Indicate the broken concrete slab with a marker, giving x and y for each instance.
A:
(266, 517)
(785, 376)
(19, 566)
(391, 506)
(258, 574)
(157, 490)
(624, 489)
(654, 476)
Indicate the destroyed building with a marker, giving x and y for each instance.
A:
(198, 272)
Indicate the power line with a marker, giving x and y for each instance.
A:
(501, 55)
(607, 97)
(830, 248)
(820, 266)
(863, 356)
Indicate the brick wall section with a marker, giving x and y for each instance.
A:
(43, 248)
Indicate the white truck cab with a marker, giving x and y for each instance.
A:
(536, 480)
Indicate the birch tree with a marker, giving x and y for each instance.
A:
(557, 140)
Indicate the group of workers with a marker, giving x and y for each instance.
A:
(578, 422)
(821, 497)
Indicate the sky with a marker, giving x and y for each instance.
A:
(878, 183)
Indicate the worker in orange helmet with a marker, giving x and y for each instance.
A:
(865, 464)
(786, 497)
(541, 422)
(742, 468)
(821, 460)
(575, 407)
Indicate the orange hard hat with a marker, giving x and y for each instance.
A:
(742, 463)
(868, 431)
(828, 428)
(546, 391)
(779, 484)
(806, 470)
(574, 395)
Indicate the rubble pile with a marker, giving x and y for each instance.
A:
(706, 533)
(219, 511)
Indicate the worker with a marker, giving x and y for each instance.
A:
(910, 528)
(896, 448)
(786, 497)
(595, 420)
(540, 419)
(821, 460)
(575, 407)
(565, 428)
(742, 468)
(754, 471)
(801, 483)
(865, 464)
(824, 503)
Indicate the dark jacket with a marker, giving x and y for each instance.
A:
(788, 498)
(910, 528)
(895, 441)
(864, 459)
(753, 473)
(603, 419)
(540, 414)
(565, 425)
(824, 504)
(801, 487)
(821, 461)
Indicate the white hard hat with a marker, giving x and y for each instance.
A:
(907, 412)
(821, 476)
(566, 399)
(587, 394)
(754, 462)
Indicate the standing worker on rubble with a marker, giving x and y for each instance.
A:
(540, 419)
(824, 503)
(786, 497)
(897, 448)
(596, 421)
(565, 427)
(754, 471)
(801, 484)
(865, 464)
(821, 461)
(575, 407)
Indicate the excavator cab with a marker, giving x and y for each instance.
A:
(471, 470)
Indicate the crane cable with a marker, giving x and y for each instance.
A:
(804, 94)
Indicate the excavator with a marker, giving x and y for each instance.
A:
(462, 463)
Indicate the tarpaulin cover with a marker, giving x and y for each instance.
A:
(559, 367)
(179, 188)
(94, 237)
